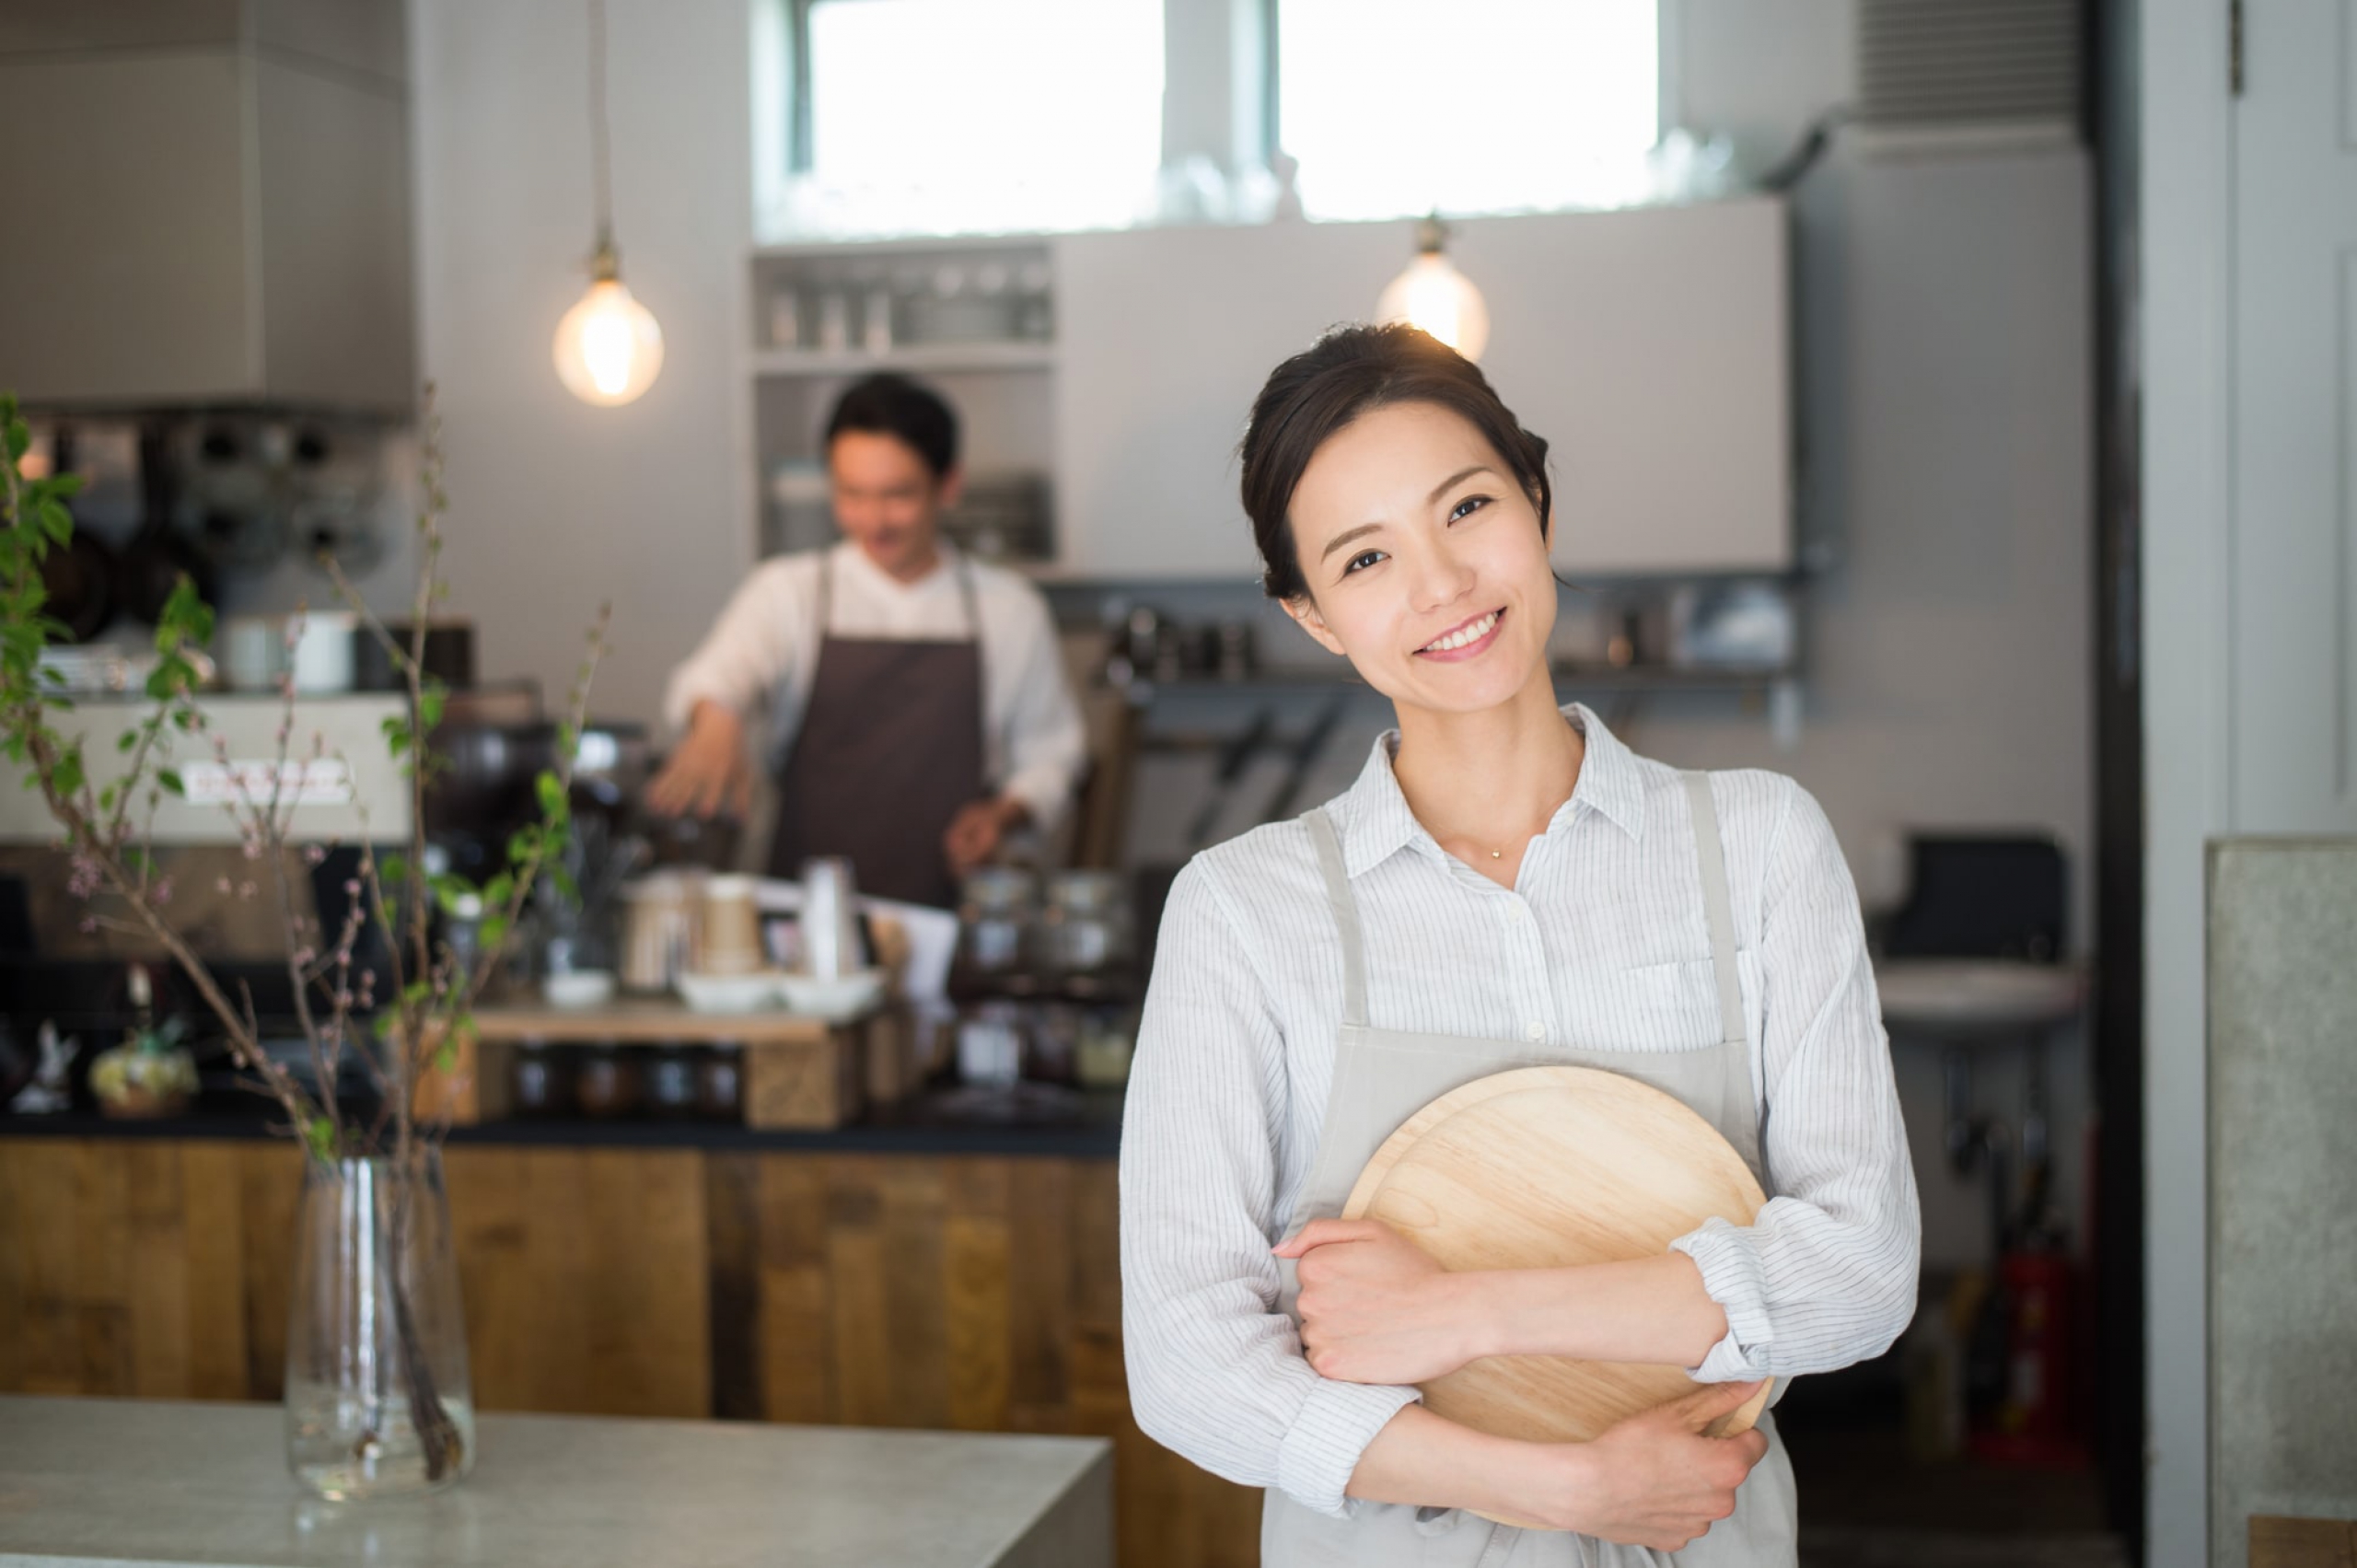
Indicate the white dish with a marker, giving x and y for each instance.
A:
(844, 996)
(581, 988)
(729, 992)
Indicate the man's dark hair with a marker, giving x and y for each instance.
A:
(894, 405)
(1349, 372)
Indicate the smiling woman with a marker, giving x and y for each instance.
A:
(1506, 886)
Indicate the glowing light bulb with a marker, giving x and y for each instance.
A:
(609, 349)
(1433, 295)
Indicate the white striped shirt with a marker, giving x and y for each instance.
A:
(1603, 944)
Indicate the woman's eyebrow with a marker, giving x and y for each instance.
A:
(1443, 488)
(1453, 480)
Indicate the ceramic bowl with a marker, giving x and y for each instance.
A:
(580, 988)
(844, 996)
(729, 992)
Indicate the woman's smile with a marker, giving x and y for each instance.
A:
(1466, 640)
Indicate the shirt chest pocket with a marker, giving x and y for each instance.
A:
(1672, 1007)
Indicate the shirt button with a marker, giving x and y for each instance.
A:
(1535, 1029)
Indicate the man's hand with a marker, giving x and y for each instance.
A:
(709, 773)
(974, 833)
(1654, 1481)
(1375, 1307)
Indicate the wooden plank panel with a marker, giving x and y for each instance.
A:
(155, 1304)
(15, 1222)
(915, 1293)
(860, 1292)
(270, 1186)
(1042, 1268)
(648, 1238)
(97, 1292)
(798, 1356)
(215, 1227)
(975, 1276)
(524, 1319)
(732, 1221)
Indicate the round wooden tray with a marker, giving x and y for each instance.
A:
(1542, 1168)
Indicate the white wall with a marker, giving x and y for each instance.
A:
(557, 505)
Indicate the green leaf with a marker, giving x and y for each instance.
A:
(20, 437)
(67, 776)
(172, 783)
(126, 740)
(446, 1055)
(319, 1136)
(552, 793)
(66, 486)
(499, 890)
(55, 521)
(491, 931)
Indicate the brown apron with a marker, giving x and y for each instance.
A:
(889, 747)
(1383, 1076)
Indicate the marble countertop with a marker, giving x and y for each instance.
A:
(91, 1480)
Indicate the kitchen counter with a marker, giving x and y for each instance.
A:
(139, 1481)
(1070, 1125)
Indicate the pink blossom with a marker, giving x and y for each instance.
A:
(302, 956)
(221, 885)
(161, 893)
(89, 926)
(352, 887)
(314, 853)
(245, 890)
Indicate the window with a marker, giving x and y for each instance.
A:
(1405, 106)
(963, 116)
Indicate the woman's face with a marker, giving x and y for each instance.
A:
(1425, 563)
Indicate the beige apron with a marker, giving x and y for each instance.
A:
(1383, 1076)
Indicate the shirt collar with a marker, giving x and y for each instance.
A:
(1373, 820)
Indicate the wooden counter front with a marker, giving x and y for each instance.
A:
(976, 1292)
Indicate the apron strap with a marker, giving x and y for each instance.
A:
(1716, 906)
(1346, 914)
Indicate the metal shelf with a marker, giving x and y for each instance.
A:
(1022, 355)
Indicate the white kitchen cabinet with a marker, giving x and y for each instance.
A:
(227, 188)
(1165, 336)
(1650, 347)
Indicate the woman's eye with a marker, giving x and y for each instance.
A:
(1467, 507)
(1363, 558)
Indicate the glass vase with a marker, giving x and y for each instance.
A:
(378, 1397)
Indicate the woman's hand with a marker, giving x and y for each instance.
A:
(1375, 1307)
(1654, 1481)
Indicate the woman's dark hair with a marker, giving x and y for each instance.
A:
(894, 405)
(1349, 372)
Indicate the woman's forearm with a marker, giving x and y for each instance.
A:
(1650, 1310)
(1432, 1462)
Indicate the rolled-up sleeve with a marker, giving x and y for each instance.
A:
(1826, 1273)
(1045, 739)
(1216, 1371)
(752, 651)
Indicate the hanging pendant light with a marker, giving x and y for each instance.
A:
(1432, 295)
(609, 349)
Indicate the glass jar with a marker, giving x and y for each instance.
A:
(605, 1082)
(997, 907)
(720, 1083)
(1083, 932)
(379, 1398)
(538, 1083)
(671, 1079)
(1102, 1060)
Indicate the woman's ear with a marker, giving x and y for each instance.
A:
(1303, 611)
